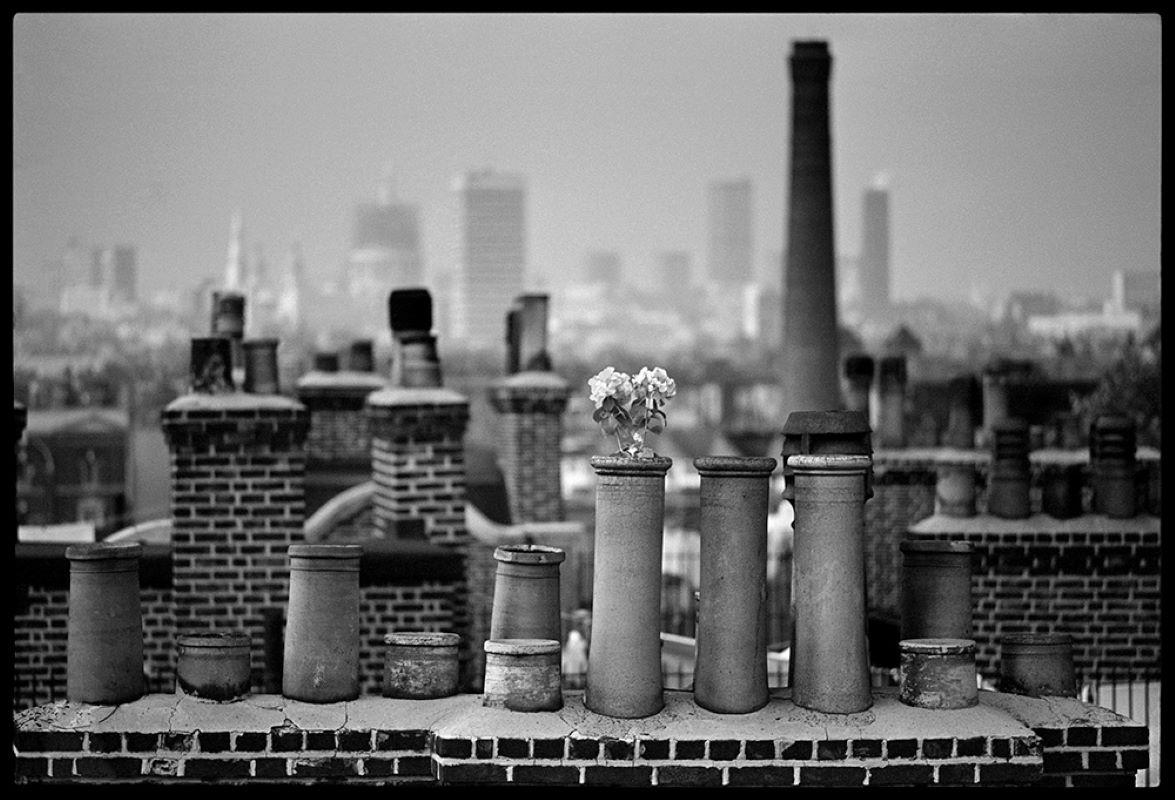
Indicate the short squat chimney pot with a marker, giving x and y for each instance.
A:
(213, 666)
(420, 665)
(1037, 665)
(938, 673)
(523, 675)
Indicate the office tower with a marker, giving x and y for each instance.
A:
(491, 254)
(810, 379)
(730, 244)
(873, 265)
(385, 246)
(123, 274)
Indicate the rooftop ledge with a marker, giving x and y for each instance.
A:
(416, 396)
(997, 715)
(1005, 739)
(1037, 523)
(195, 401)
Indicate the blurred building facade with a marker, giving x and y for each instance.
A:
(491, 254)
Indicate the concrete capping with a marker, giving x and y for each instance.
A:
(1005, 739)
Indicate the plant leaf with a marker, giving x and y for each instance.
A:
(655, 424)
(609, 424)
(600, 414)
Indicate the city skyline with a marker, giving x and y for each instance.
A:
(1034, 164)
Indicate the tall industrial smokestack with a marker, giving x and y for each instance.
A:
(811, 356)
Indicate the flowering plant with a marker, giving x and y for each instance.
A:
(631, 406)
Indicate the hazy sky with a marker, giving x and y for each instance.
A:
(1023, 151)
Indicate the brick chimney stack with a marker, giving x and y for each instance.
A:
(891, 402)
(810, 333)
(417, 445)
(238, 464)
(339, 442)
(858, 380)
(531, 403)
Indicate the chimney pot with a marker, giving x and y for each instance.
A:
(211, 365)
(410, 310)
(362, 356)
(261, 373)
(326, 362)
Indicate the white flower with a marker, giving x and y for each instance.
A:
(610, 383)
(654, 385)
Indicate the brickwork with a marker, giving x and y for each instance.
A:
(418, 465)
(238, 466)
(407, 606)
(1096, 579)
(1005, 741)
(530, 432)
(904, 494)
(339, 429)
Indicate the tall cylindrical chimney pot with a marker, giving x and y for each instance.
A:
(104, 644)
(730, 676)
(261, 372)
(831, 654)
(321, 663)
(624, 662)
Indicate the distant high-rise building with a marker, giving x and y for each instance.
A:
(731, 247)
(123, 274)
(811, 355)
(234, 267)
(384, 255)
(602, 266)
(290, 299)
(873, 264)
(491, 254)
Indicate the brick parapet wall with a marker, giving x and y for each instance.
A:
(238, 466)
(455, 740)
(1094, 578)
(530, 434)
(904, 494)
